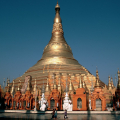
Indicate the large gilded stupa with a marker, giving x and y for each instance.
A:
(58, 60)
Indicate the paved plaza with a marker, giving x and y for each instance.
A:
(23, 116)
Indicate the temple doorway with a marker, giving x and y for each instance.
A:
(79, 103)
(98, 104)
(52, 104)
(10, 103)
(14, 104)
(24, 104)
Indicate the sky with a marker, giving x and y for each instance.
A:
(91, 28)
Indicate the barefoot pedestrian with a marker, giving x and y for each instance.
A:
(65, 115)
(55, 115)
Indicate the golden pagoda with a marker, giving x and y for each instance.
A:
(57, 58)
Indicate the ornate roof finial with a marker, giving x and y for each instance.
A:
(109, 83)
(47, 89)
(19, 86)
(80, 83)
(112, 83)
(59, 82)
(57, 7)
(35, 86)
(66, 89)
(28, 86)
(57, 26)
(54, 86)
(97, 84)
(13, 88)
(70, 85)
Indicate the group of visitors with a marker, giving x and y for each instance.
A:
(54, 114)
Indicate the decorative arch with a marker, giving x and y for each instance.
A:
(79, 103)
(98, 95)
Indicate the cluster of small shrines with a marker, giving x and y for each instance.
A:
(58, 81)
(54, 97)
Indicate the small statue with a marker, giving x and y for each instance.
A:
(67, 103)
(43, 103)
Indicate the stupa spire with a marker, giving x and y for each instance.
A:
(70, 85)
(35, 86)
(18, 89)
(28, 86)
(57, 27)
(47, 89)
(57, 51)
(109, 83)
(54, 85)
(13, 88)
(97, 84)
(80, 83)
(112, 83)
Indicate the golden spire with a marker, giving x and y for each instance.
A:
(47, 89)
(18, 87)
(70, 85)
(109, 84)
(80, 83)
(97, 84)
(13, 87)
(84, 84)
(59, 84)
(35, 86)
(54, 85)
(112, 83)
(28, 86)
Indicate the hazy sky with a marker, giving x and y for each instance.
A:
(91, 29)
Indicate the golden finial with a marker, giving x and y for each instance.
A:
(35, 86)
(59, 84)
(97, 84)
(70, 85)
(112, 83)
(18, 86)
(28, 86)
(54, 86)
(13, 87)
(109, 84)
(84, 84)
(47, 89)
(57, 6)
(80, 83)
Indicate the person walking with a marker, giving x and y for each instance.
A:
(55, 115)
(65, 115)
